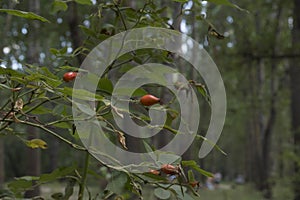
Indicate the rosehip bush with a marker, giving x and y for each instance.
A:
(39, 97)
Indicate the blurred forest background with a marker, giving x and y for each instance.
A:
(258, 58)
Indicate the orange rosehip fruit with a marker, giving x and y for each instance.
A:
(169, 169)
(155, 172)
(149, 100)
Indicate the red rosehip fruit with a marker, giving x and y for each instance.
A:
(149, 100)
(69, 76)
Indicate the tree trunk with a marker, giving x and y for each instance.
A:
(295, 95)
(74, 29)
(177, 16)
(33, 167)
(2, 170)
(33, 155)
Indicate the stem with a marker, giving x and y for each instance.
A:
(75, 146)
(121, 17)
(84, 175)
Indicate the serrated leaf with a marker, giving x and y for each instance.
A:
(23, 14)
(179, 190)
(69, 189)
(50, 81)
(84, 2)
(62, 125)
(39, 110)
(181, 1)
(188, 197)
(59, 6)
(88, 31)
(195, 166)
(85, 109)
(58, 173)
(58, 196)
(202, 90)
(105, 85)
(191, 176)
(80, 94)
(36, 143)
(127, 91)
(117, 183)
(155, 177)
(227, 3)
(28, 178)
(11, 72)
(162, 193)
(48, 73)
(20, 184)
(54, 51)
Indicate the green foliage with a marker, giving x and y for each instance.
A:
(58, 5)
(47, 103)
(84, 2)
(23, 14)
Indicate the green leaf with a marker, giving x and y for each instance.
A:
(58, 173)
(28, 178)
(191, 176)
(59, 6)
(80, 94)
(105, 85)
(127, 91)
(54, 51)
(227, 3)
(221, 2)
(59, 52)
(211, 143)
(69, 189)
(58, 196)
(88, 31)
(181, 1)
(84, 2)
(117, 183)
(23, 14)
(171, 115)
(161, 193)
(41, 110)
(188, 197)
(48, 73)
(154, 177)
(63, 125)
(179, 190)
(202, 90)
(11, 72)
(19, 185)
(195, 166)
(167, 157)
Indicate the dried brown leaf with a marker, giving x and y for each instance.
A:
(122, 139)
(19, 105)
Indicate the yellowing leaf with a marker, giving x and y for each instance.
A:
(36, 143)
